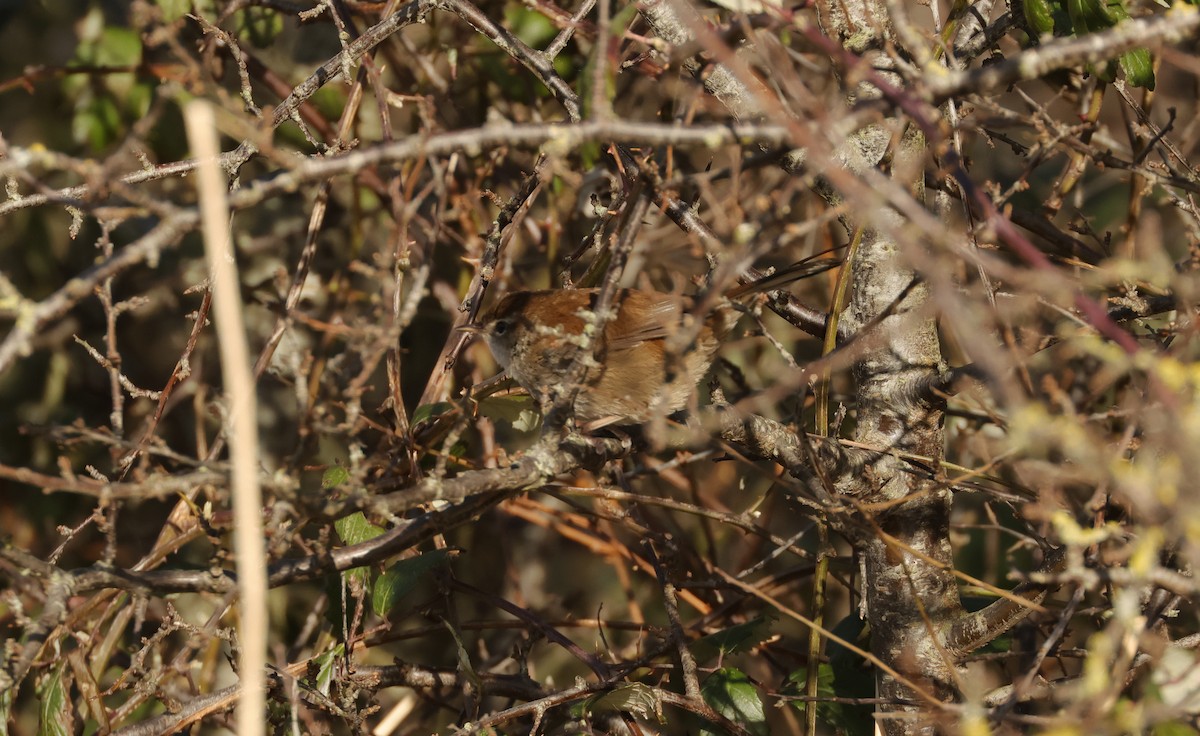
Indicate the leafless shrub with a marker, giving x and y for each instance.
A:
(977, 434)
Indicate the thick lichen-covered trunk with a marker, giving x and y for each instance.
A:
(902, 533)
(903, 538)
(901, 529)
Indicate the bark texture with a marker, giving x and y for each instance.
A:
(901, 530)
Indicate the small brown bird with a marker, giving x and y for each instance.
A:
(533, 335)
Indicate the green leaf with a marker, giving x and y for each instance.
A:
(173, 10)
(846, 675)
(1138, 68)
(103, 103)
(429, 411)
(1038, 16)
(357, 579)
(334, 477)
(259, 26)
(97, 122)
(464, 659)
(118, 46)
(1173, 728)
(737, 638)
(1090, 16)
(54, 708)
(731, 693)
(589, 155)
(1086, 15)
(355, 529)
(138, 100)
(530, 26)
(634, 698)
(325, 665)
(399, 580)
(1116, 12)
(529, 421)
(519, 411)
(854, 720)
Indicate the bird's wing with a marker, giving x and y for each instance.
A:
(657, 319)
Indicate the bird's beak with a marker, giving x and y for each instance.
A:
(470, 329)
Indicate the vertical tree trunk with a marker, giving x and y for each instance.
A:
(911, 594)
(904, 547)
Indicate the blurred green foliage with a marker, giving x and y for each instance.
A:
(1081, 17)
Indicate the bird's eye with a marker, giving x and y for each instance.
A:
(500, 327)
